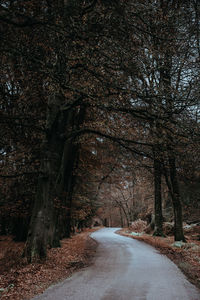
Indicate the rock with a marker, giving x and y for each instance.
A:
(188, 227)
(178, 244)
(136, 233)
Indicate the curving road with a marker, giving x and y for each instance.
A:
(124, 269)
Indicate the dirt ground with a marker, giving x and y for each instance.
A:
(19, 280)
(187, 258)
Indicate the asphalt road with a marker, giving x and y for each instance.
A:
(124, 269)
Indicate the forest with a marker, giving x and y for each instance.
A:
(99, 119)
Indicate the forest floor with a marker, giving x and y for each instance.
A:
(187, 258)
(19, 280)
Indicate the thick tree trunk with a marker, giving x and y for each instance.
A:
(44, 222)
(158, 229)
(39, 235)
(66, 189)
(70, 164)
(64, 185)
(177, 206)
(42, 226)
(51, 218)
(165, 74)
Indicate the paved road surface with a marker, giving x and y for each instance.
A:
(124, 269)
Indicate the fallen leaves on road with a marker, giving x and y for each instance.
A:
(19, 280)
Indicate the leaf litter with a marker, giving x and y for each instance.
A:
(20, 280)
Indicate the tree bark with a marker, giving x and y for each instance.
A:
(158, 230)
(43, 222)
(121, 217)
(177, 206)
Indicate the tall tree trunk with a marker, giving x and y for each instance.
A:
(43, 222)
(63, 183)
(177, 206)
(166, 86)
(158, 230)
(121, 217)
(70, 156)
(64, 193)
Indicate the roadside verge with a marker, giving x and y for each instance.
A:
(187, 257)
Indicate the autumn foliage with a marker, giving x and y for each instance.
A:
(99, 116)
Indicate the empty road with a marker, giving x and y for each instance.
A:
(124, 269)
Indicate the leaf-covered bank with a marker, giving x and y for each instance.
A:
(19, 280)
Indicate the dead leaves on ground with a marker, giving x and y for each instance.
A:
(19, 280)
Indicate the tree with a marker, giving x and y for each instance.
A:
(125, 72)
